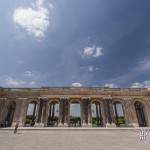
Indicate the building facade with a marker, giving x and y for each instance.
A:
(96, 107)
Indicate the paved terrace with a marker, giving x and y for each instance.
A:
(73, 139)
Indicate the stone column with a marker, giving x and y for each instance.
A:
(85, 111)
(89, 113)
(3, 107)
(23, 111)
(2, 102)
(45, 112)
(130, 113)
(61, 114)
(104, 113)
(19, 111)
(37, 113)
(109, 112)
(146, 102)
(63, 111)
(39, 119)
(66, 112)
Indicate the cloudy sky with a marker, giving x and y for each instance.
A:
(75, 43)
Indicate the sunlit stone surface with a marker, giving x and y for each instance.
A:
(73, 140)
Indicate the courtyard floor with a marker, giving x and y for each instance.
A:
(72, 140)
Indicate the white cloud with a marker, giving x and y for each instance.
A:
(9, 81)
(32, 83)
(110, 85)
(40, 2)
(91, 69)
(98, 52)
(88, 51)
(145, 64)
(93, 51)
(136, 85)
(76, 84)
(145, 84)
(34, 20)
(28, 74)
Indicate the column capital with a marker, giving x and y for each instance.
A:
(43, 98)
(3, 98)
(22, 98)
(85, 97)
(107, 97)
(63, 97)
(146, 98)
(127, 98)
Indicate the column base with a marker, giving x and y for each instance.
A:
(86, 125)
(39, 125)
(89, 125)
(110, 125)
(63, 125)
(133, 125)
(14, 124)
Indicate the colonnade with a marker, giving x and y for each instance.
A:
(109, 112)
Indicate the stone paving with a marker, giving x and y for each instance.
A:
(72, 140)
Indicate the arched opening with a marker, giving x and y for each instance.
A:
(75, 114)
(31, 114)
(140, 114)
(53, 116)
(119, 114)
(10, 113)
(97, 119)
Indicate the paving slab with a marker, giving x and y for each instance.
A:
(72, 140)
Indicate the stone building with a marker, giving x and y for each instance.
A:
(97, 107)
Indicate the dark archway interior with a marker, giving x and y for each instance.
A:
(97, 119)
(75, 114)
(10, 113)
(119, 114)
(53, 116)
(31, 114)
(140, 114)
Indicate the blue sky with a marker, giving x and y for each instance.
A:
(75, 43)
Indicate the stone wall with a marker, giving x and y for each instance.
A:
(105, 96)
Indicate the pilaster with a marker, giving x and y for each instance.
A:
(20, 111)
(130, 113)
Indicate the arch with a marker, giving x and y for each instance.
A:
(10, 113)
(140, 113)
(75, 113)
(31, 114)
(119, 113)
(53, 114)
(96, 112)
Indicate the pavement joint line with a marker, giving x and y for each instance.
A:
(69, 129)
